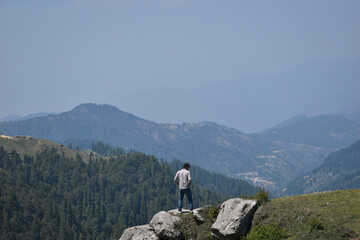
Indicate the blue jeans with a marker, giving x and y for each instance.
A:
(186, 191)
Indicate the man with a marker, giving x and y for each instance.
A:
(183, 180)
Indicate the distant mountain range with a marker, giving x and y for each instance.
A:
(332, 131)
(19, 118)
(340, 170)
(252, 157)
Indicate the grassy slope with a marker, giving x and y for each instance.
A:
(29, 145)
(326, 215)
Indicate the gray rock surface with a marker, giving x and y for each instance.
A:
(144, 232)
(234, 219)
(198, 214)
(163, 224)
(176, 211)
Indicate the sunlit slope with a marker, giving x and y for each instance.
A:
(327, 215)
(29, 145)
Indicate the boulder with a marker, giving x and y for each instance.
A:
(176, 211)
(164, 225)
(144, 232)
(234, 219)
(199, 214)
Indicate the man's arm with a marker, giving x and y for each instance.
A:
(189, 178)
(176, 177)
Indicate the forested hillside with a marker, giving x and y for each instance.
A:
(227, 186)
(340, 170)
(48, 195)
(209, 145)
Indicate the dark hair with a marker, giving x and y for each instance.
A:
(186, 165)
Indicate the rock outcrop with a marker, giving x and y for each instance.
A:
(199, 214)
(164, 225)
(144, 232)
(234, 220)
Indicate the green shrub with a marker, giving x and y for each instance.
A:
(266, 232)
(261, 196)
(213, 213)
(187, 226)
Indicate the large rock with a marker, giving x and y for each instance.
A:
(234, 218)
(199, 214)
(144, 232)
(164, 225)
(176, 211)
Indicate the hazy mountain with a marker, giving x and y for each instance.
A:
(355, 117)
(334, 131)
(19, 118)
(340, 170)
(254, 104)
(291, 122)
(207, 144)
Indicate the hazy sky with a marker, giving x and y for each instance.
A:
(55, 55)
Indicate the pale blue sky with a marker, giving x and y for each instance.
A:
(55, 55)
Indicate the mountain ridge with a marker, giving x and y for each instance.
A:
(207, 144)
(340, 170)
(13, 117)
(325, 130)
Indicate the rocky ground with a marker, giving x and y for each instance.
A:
(231, 220)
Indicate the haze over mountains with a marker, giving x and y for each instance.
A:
(250, 104)
(255, 103)
(254, 157)
(20, 118)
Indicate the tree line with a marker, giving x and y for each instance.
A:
(52, 196)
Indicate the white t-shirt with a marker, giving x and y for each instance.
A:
(184, 178)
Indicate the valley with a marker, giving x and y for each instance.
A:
(214, 147)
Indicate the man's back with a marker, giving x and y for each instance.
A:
(184, 178)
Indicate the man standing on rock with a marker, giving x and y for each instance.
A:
(183, 180)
